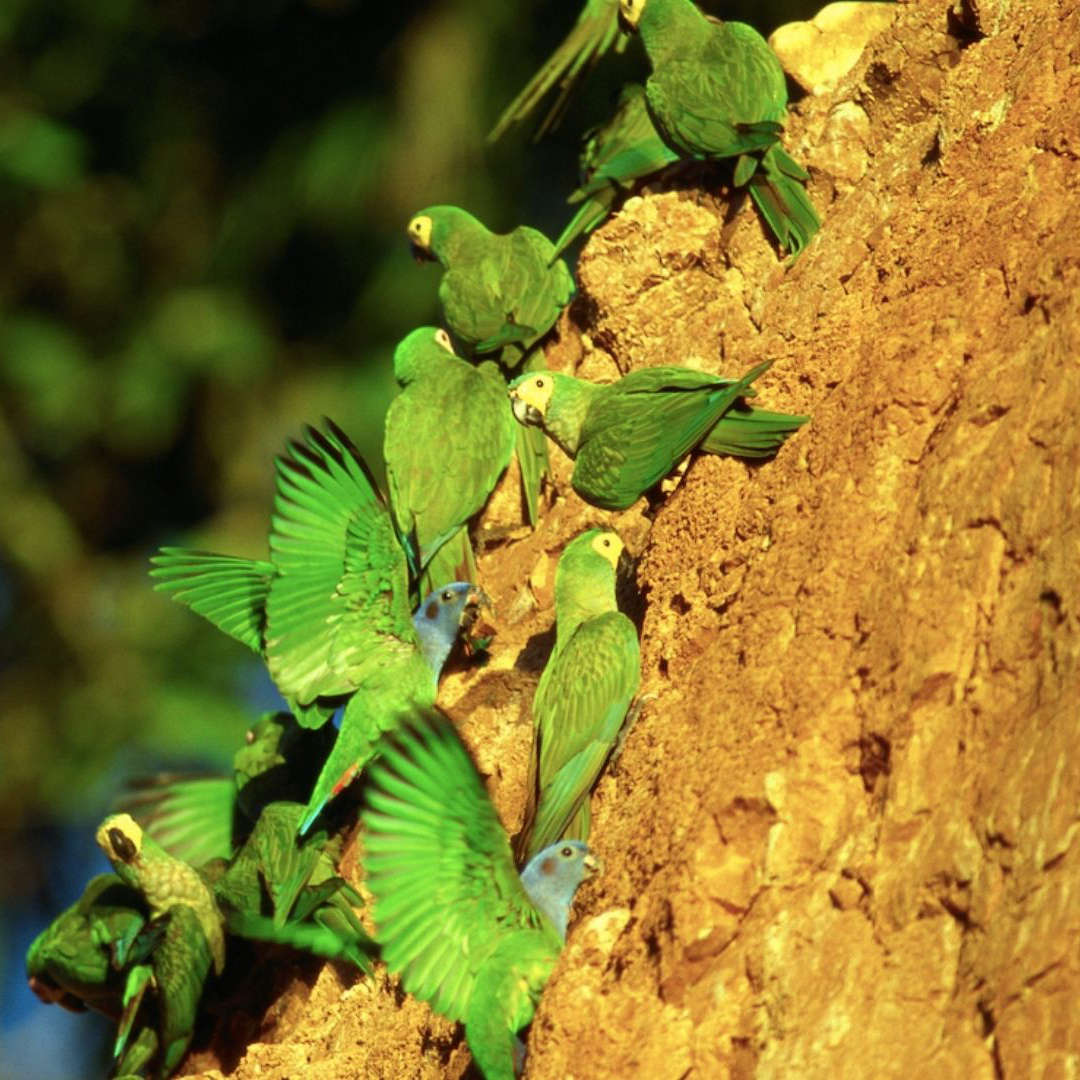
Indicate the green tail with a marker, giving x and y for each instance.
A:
(744, 431)
(454, 561)
(778, 190)
(532, 454)
(591, 213)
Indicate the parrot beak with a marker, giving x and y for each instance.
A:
(524, 413)
(420, 254)
(478, 631)
(592, 863)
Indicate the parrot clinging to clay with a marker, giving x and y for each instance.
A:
(465, 932)
(594, 34)
(181, 903)
(717, 90)
(583, 695)
(613, 156)
(449, 437)
(330, 611)
(501, 294)
(627, 435)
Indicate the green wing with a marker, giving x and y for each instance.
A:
(595, 32)
(228, 591)
(439, 866)
(449, 437)
(181, 964)
(778, 192)
(637, 429)
(342, 590)
(192, 817)
(579, 708)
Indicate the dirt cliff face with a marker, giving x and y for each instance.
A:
(840, 839)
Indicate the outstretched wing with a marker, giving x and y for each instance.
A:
(439, 865)
(191, 817)
(228, 591)
(341, 594)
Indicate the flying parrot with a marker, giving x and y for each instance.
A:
(501, 293)
(613, 156)
(192, 927)
(453, 917)
(449, 437)
(584, 693)
(717, 90)
(87, 957)
(330, 611)
(627, 435)
(594, 34)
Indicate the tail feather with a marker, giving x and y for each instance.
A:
(752, 433)
(777, 190)
(591, 213)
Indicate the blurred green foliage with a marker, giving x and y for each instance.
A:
(202, 205)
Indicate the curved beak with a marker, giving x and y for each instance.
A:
(420, 254)
(524, 413)
(592, 863)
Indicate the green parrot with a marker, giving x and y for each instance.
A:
(613, 156)
(200, 818)
(595, 33)
(717, 90)
(78, 960)
(277, 890)
(330, 611)
(192, 928)
(465, 932)
(627, 435)
(501, 294)
(449, 437)
(583, 695)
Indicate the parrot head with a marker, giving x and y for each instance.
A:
(419, 231)
(552, 876)
(121, 839)
(530, 396)
(630, 14)
(443, 614)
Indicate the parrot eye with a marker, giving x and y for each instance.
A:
(539, 384)
(122, 845)
(607, 542)
(448, 595)
(567, 852)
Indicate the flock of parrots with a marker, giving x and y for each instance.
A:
(332, 612)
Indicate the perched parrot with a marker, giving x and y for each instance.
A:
(594, 34)
(192, 928)
(287, 893)
(627, 435)
(613, 156)
(453, 918)
(78, 960)
(330, 611)
(717, 90)
(90, 955)
(200, 817)
(584, 693)
(500, 295)
(449, 437)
